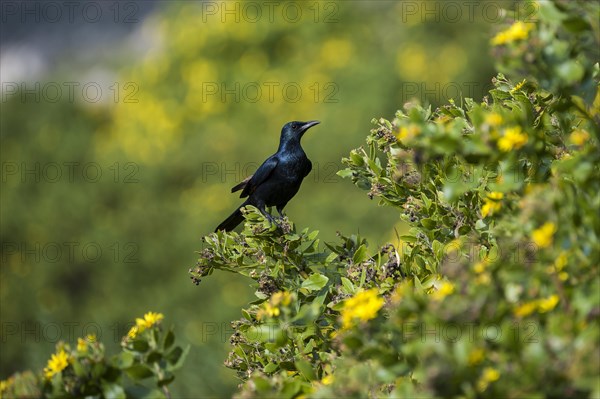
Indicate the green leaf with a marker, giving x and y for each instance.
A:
(169, 339)
(288, 366)
(306, 369)
(549, 12)
(409, 238)
(315, 282)
(176, 357)
(139, 372)
(428, 223)
(426, 201)
(98, 370)
(113, 391)
(363, 277)
(79, 370)
(123, 360)
(438, 249)
(356, 158)
(576, 24)
(246, 315)
(291, 389)
(375, 167)
(307, 314)
(312, 235)
(154, 357)
(270, 368)
(347, 286)
(570, 71)
(140, 345)
(360, 255)
(262, 333)
(166, 379)
(142, 392)
(331, 257)
(344, 173)
(262, 384)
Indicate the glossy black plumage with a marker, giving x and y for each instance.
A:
(278, 179)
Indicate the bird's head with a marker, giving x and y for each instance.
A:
(296, 129)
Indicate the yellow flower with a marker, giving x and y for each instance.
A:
(268, 310)
(541, 305)
(518, 86)
(57, 363)
(493, 119)
(489, 208)
(543, 236)
(4, 385)
(525, 309)
(565, 156)
(517, 31)
(513, 138)
(282, 297)
(483, 279)
(579, 137)
(479, 267)
(133, 332)
(489, 375)
(327, 380)
(153, 318)
(563, 276)
(476, 356)
(561, 261)
(492, 203)
(495, 195)
(443, 119)
(271, 308)
(81, 345)
(150, 319)
(363, 306)
(444, 289)
(407, 133)
(546, 305)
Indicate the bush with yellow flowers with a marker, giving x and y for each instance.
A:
(148, 353)
(493, 292)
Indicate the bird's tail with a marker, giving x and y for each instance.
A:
(233, 220)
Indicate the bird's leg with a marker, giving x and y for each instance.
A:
(261, 208)
(280, 211)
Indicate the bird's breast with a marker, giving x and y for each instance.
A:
(293, 167)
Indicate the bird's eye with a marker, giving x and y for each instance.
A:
(294, 126)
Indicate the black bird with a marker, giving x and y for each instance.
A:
(278, 179)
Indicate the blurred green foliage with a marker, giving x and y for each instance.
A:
(159, 191)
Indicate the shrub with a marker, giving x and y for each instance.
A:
(148, 352)
(493, 290)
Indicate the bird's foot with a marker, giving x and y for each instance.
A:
(271, 220)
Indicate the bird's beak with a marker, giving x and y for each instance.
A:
(308, 125)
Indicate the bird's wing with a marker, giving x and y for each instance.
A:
(308, 168)
(241, 185)
(261, 174)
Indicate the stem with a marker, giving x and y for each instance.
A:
(160, 375)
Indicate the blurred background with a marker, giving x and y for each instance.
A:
(125, 124)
